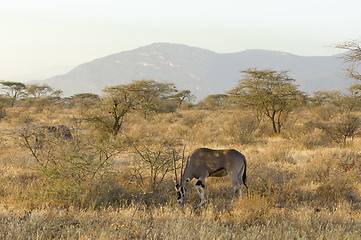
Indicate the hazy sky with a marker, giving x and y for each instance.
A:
(41, 34)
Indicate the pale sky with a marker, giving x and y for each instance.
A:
(37, 35)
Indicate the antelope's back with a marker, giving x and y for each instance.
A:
(222, 156)
(235, 155)
(214, 160)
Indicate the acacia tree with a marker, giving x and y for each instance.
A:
(142, 96)
(216, 101)
(39, 91)
(41, 94)
(84, 101)
(352, 57)
(181, 97)
(13, 90)
(2, 106)
(345, 102)
(271, 93)
(343, 123)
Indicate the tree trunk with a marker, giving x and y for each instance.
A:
(274, 125)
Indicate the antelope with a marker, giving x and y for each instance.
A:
(203, 163)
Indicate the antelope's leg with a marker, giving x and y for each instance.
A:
(200, 192)
(235, 193)
(236, 188)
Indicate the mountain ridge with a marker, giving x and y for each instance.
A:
(202, 71)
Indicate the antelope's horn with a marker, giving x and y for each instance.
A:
(175, 168)
(184, 148)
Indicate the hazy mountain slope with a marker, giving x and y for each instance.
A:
(202, 71)
(311, 73)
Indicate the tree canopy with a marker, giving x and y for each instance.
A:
(352, 57)
(271, 93)
(14, 90)
(142, 96)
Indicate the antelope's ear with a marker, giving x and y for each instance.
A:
(188, 180)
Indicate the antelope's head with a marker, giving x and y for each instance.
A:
(181, 189)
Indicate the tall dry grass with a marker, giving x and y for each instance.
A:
(300, 185)
(251, 218)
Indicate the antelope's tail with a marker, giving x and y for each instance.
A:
(244, 176)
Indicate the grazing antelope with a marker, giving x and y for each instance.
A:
(204, 162)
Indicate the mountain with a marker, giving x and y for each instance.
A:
(202, 71)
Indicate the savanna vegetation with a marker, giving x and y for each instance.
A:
(101, 167)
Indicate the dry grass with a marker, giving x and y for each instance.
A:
(297, 189)
(248, 219)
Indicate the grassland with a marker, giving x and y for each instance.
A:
(302, 185)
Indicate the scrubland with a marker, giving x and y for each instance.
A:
(302, 184)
